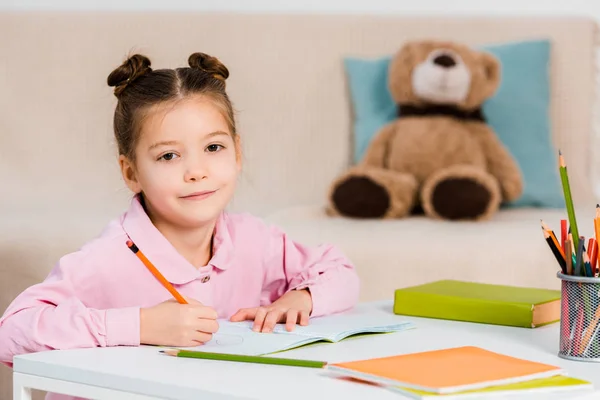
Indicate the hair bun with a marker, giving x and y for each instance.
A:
(209, 64)
(131, 69)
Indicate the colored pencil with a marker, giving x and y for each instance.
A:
(578, 332)
(597, 232)
(587, 266)
(594, 260)
(591, 329)
(579, 258)
(553, 237)
(568, 198)
(593, 250)
(570, 236)
(242, 358)
(156, 272)
(569, 257)
(573, 251)
(556, 251)
(563, 234)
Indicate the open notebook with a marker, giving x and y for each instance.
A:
(238, 337)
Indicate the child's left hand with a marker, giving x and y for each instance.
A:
(292, 308)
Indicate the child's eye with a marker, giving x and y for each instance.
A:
(168, 156)
(214, 147)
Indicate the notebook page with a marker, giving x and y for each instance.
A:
(237, 338)
(338, 326)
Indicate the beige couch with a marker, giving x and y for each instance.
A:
(60, 184)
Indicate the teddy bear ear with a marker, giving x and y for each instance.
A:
(406, 54)
(491, 68)
(400, 68)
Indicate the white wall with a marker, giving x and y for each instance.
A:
(497, 7)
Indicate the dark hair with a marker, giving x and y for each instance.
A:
(138, 87)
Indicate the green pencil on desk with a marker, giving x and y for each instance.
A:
(568, 198)
(242, 358)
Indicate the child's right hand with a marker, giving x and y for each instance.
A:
(173, 324)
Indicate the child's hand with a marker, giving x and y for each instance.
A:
(292, 308)
(174, 324)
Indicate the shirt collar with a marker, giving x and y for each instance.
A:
(175, 268)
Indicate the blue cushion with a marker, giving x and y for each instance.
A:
(518, 113)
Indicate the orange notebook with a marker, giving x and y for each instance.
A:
(438, 371)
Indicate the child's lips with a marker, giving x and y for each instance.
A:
(199, 195)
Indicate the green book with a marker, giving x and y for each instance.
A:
(480, 302)
(559, 383)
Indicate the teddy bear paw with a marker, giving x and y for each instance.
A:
(361, 197)
(512, 190)
(460, 198)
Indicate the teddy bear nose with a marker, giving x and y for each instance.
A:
(445, 61)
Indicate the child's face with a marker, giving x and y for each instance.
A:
(186, 163)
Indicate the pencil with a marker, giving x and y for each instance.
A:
(597, 231)
(556, 251)
(591, 330)
(593, 255)
(569, 257)
(573, 252)
(579, 258)
(568, 198)
(242, 358)
(563, 234)
(553, 237)
(578, 332)
(587, 267)
(156, 272)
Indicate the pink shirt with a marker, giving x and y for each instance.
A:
(93, 296)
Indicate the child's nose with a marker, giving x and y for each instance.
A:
(195, 172)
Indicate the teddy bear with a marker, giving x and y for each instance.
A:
(439, 156)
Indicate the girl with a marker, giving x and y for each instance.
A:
(179, 152)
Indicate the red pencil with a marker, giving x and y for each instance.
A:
(563, 233)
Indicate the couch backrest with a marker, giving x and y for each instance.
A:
(287, 83)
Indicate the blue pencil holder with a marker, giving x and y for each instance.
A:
(580, 318)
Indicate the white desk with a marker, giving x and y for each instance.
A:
(143, 373)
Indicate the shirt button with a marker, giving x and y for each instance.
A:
(206, 279)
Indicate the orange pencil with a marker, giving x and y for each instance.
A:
(590, 330)
(155, 272)
(560, 257)
(554, 239)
